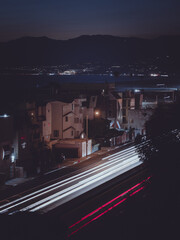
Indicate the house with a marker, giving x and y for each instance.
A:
(107, 105)
(131, 100)
(63, 120)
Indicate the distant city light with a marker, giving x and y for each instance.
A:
(4, 116)
(164, 75)
(68, 72)
(136, 90)
(51, 74)
(154, 75)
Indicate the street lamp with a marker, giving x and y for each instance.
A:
(97, 113)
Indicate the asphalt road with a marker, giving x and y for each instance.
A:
(45, 198)
(106, 200)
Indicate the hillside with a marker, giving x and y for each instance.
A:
(101, 49)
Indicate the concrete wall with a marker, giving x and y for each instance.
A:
(47, 130)
(56, 119)
(66, 118)
(69, 133)
(68, 121)
(80, 145)
(53, 120)
(73, 119)
(89, 147)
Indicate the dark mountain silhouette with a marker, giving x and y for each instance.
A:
(103, 49)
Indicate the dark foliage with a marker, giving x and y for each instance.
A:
(98, 127)
(32, 226)
(162, 156)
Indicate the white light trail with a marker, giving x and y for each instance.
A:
(120, 160)
(127, 150)
(45, 190)
(56, 197)
(63, 182)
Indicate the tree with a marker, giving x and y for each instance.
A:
(98, 127)
(161, 155)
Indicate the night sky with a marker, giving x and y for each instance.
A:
(64, 19)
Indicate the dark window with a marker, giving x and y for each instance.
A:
(76, 120)
(72, 133)
(129, 102)
(56, 133)
(124, 120)
(66, 119)
(124, 112)
(36, 135)
(84, 104)
(124, 103)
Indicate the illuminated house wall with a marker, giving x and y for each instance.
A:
(63, 120)
(52, 127)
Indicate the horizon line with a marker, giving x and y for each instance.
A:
(155, 36)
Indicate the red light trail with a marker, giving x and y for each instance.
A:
(106, 204)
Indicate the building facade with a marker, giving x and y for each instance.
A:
(63, 120)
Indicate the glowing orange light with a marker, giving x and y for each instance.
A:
(97, 113)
